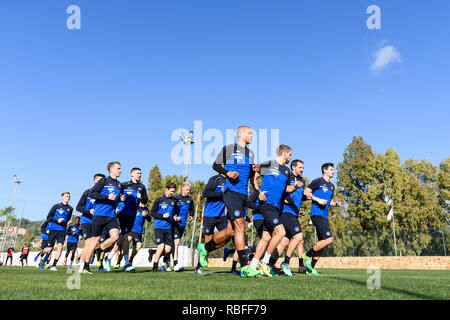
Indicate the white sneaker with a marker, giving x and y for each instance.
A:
(53, 269)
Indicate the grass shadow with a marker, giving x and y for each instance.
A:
(396, 290)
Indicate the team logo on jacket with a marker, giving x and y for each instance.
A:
(188, 201)
(275, 221)
(237, 213)
(172, 204)
(111, 190)
(328, 233)
(297, 229)
(61, 211)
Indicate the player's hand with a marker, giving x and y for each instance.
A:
(139, 196)
(262, 196)
(302, 213)
(232, 174)
(298, 183)
(122, 198)
(309, 197)
(69, 223)
(166, 215)
(322, 201)
(112, 196)
(255, 167)
(91, 211)
(60, 220)
(191, 218)
(117, 211)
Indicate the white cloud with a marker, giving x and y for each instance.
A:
(384, 56)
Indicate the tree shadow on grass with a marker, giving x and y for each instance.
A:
(396, 290)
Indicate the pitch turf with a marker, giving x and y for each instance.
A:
(30, 283)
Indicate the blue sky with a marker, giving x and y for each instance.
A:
(73, 100)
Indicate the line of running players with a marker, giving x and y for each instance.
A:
(276, 204)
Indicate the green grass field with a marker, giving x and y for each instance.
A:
(26, 283)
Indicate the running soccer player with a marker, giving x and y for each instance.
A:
(214, 210)
(43, 241)
(136, 231)
(106, 193)
(290, 210)
(162, 211)
(321, 192)
(134, 193)
(24, 254)
(235, 161)
(275, 176)
(73, 236)
(85, 207)
(58, 219)
(184, 210)
(9, 255)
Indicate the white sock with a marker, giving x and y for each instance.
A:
(254, 263)
(111, 255)
(81, 266)
(266, 258)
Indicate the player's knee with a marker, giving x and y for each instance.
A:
(284, 242)
(266, 237)
(281, 232)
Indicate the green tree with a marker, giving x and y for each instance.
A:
(356, 180)
(154, 180)
(443, 184)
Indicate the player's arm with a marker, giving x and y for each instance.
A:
(191, 208)
(209, 192)
(315, 184)
(252, 199)
(144, 196)
(154, 212)
(95, 191)
(293, 184)
(220, 161)
(50, 215)
(81, 205)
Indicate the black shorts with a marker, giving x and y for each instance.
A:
(164, 236)
(72, 246)
(177, 231)
(236, 204)
(291, 225)
(44, 244)
(259, 227)
(126, 223)
(24, 256)
(322, 226)
(56, 236)
(271, 215)
(86, 230)
(136, 237)
(210, 223)
(99, 223)
(105, 235)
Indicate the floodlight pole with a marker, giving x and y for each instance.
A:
(187, 141)
(20, 222)
(393, 228)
